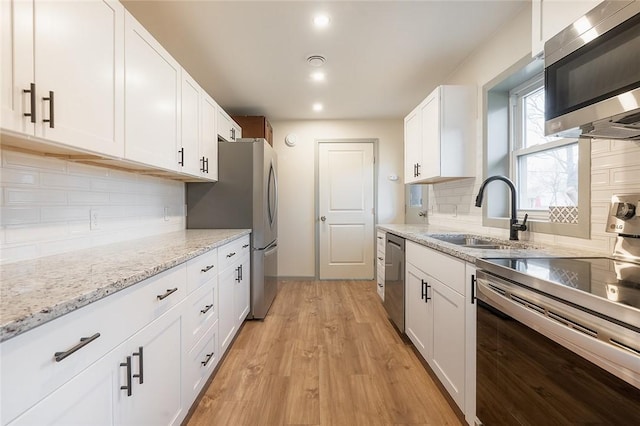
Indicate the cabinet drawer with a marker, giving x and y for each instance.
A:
(444, 268)
(200, 311)
(380, 238)
(201, 269)
(232, 252)
(114, 318)
(200, 363)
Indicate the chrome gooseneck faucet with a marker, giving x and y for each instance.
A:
(514, 226)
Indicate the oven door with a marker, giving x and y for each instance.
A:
(528, 368)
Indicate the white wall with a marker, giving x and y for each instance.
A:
(46, 202)
(296, 170)
(615, 166)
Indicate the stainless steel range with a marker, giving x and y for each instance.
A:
(558, 339)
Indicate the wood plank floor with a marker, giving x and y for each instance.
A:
(325, 355)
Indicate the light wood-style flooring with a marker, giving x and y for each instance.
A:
(325, 355)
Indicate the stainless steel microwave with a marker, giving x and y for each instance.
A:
(592, 74)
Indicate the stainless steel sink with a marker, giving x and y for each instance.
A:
(471, 241)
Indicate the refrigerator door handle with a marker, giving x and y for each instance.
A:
(272, 181)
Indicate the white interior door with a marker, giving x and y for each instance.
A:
(346, 214)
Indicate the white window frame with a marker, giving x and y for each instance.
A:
(498, 158)
(517, 141)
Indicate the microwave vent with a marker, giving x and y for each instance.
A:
(630, 119)
(612, 132)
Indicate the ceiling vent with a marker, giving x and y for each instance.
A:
(316, 60)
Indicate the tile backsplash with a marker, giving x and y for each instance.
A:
(50, 206)
(615, 169)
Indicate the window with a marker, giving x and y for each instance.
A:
(545, 169)
(552, 175)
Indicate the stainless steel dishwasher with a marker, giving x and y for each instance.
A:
(394, 280)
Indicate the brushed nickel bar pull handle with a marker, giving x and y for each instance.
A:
(239, 273)
(169, 292)
(128, 386)
(231, 254)
(206, 309)
(207, 359)
(206, 268)
(245, 246)
(84, 341)
(32, 96)
(50, 120)
(140, 375)
(207, 165)
(181, 161)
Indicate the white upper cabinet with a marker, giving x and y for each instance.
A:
(152, 106)
(189, 159)
(228, 129)
(72, 54)
(549, 17)
(412, 145)
(440, 136)
(208, 138)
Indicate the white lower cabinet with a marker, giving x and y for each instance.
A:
(152, 349)
(152, 372)
(233, 287)
(438, 318)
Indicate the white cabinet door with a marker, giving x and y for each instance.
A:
(448, 359)
(241, 292)
(431, 152)
(16, 35)
(418, 311)
(152, 106)
(156, 397)
(74, 57)
(190, 126)
(227, 128)
(87, 399)
(79, 54)
(549, 17)
(226, 309)
(412, 146)
(208, 159)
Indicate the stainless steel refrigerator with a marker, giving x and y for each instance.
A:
(245, 196)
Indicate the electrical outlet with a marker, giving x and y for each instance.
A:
(94, 223)
(166, 213)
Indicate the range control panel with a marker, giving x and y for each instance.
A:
(624, 215)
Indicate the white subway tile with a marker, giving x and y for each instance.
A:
(88, 198)
(36, 233)
(18, 177)
(57, 180)
(63, 214)
(19, 215)
(629, 177)
(14, 195)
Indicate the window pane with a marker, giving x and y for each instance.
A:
(534, 119)
(549, 178)
(415, 195)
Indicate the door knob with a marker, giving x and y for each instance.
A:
(323, 218)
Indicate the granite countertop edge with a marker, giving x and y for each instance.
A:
(60, 284)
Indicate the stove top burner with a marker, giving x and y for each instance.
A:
(614, 280)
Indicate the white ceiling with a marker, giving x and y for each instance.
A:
(383, 57)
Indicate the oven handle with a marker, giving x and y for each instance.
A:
(604, 350)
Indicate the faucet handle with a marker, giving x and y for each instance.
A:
(521, 226)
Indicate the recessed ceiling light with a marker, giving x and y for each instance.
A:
(318, 76)
(317, 106)
(321, 21)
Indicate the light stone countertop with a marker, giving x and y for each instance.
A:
(423, 234)
(35, 291)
